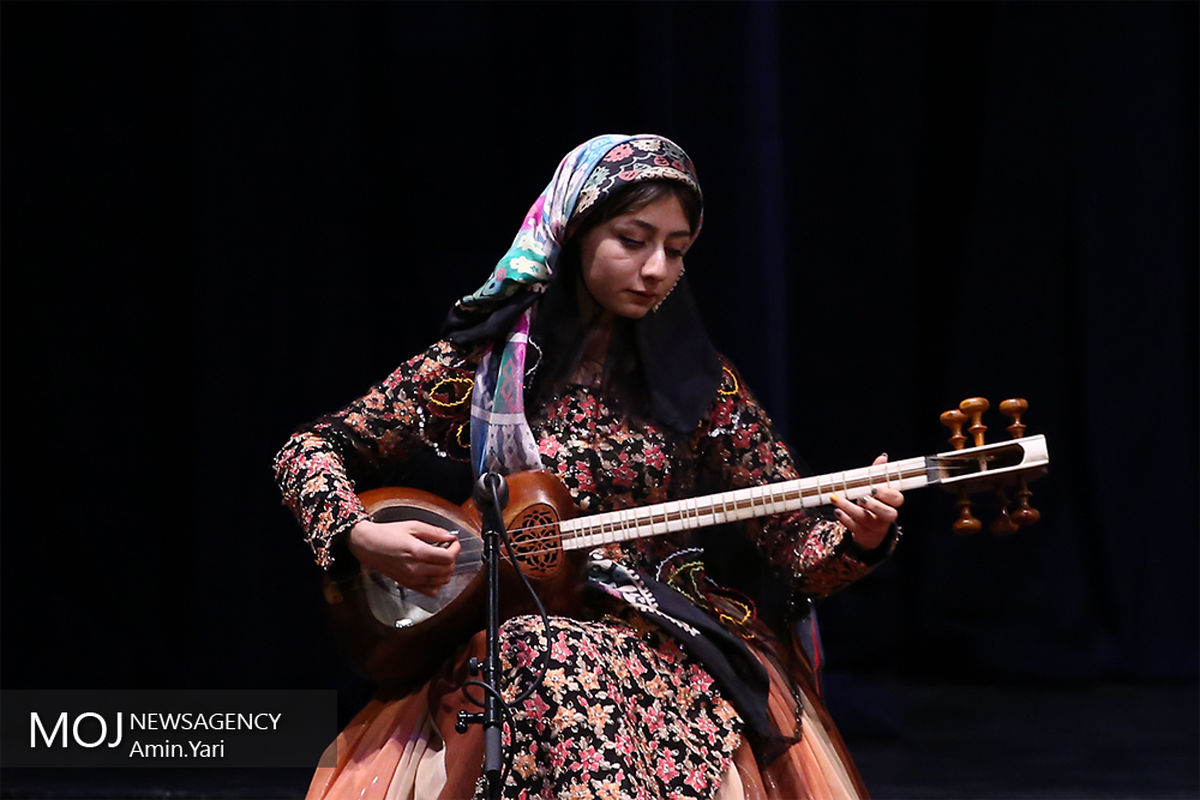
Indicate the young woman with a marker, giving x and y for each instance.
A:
(583, 356)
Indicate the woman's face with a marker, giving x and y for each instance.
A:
(632, 261)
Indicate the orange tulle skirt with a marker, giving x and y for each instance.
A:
(406, 748)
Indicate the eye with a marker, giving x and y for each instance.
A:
(675, 253)
(630, 242)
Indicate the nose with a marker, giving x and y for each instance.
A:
(655, 266)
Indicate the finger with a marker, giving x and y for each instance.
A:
(879, 459)
(440, 563)
(847, 512)
(418, 572)
(845, 519)
(893, 497)
(878, 509)
(435, 585)
(440, 555)
(435, 582)
(858, 526)
(430, 561)
(874, 510)
(431, 533)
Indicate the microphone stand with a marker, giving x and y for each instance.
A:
(490, 496)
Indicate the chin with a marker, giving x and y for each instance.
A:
(636, 312)
(638, 308)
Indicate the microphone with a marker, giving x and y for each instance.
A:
(491, 496)
(490, 490)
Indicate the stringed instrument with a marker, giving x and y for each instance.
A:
(398, 636)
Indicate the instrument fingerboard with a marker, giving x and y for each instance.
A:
(740, 504)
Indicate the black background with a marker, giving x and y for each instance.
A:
(223, 219)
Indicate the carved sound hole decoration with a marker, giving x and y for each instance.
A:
(535, 540)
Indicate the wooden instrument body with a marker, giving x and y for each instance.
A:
(387, 629)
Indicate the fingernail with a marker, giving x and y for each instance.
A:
(883, 454)
(833, 498)
(874, 492)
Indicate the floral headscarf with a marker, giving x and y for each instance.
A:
(501, 439)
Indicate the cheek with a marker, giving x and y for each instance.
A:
(606, 266)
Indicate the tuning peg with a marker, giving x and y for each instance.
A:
(1013, 408)
(974, 407)
(954, 420)
(1003, 524)
(966, 522)
(1025, 513)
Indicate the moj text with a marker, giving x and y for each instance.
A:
(91, 729)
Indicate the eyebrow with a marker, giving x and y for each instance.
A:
(641, 223)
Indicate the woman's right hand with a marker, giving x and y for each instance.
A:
(417, 555)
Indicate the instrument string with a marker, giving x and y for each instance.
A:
(553, 537)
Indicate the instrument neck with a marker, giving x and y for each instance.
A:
(740, 504)
(988, 465)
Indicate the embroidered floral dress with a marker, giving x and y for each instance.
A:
(623, 710)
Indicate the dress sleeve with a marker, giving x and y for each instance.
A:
(738, 449)
(423, 404)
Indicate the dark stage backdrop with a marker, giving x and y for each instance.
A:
(222, 219)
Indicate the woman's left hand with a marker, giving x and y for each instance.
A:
(869, 519)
